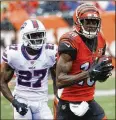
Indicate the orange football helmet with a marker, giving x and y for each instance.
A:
(87, 20)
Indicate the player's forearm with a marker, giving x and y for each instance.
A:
(6, 92)
(65, 80)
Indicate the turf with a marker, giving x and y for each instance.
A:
(107, 102)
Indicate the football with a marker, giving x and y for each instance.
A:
(105, 59)
(106, 64)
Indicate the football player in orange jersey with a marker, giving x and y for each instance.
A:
(78, 68)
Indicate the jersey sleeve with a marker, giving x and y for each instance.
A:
(7, 56)
(67, 48)
(52, 50)
(67, 44)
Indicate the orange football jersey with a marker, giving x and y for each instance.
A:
(84, 89)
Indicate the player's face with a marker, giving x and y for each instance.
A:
(90, 25)
(36, 38)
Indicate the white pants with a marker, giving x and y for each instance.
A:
(37, 110)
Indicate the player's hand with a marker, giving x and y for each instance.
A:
(101, 69)
(20, 107)
(103, 77)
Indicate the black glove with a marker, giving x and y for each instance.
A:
(102, 77)
(105, 73)
(101, 69)
(20, 107)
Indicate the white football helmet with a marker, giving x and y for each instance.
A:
(33, 34)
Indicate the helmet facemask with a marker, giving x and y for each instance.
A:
(34, 40)
(89, 27)
(33, 34)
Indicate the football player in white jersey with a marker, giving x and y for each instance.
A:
(31, 62)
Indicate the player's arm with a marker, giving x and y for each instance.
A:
(64, 65)
(53, 75)
(6, 75)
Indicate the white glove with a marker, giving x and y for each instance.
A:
(79, 109)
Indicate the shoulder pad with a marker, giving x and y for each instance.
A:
(9, 52)
(67, 48)
(51, 49)
(49, 46)
(69, 36)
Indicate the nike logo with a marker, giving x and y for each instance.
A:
(67, 44)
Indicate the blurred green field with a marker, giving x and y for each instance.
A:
(107, 102)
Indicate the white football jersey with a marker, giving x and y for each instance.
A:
(31, 74)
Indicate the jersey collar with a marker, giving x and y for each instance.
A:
(25, 54)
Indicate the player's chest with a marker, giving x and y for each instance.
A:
(84, 53)
(23, 64)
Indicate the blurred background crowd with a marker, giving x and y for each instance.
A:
(11, 10)
(54, 14)
(35, 7)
